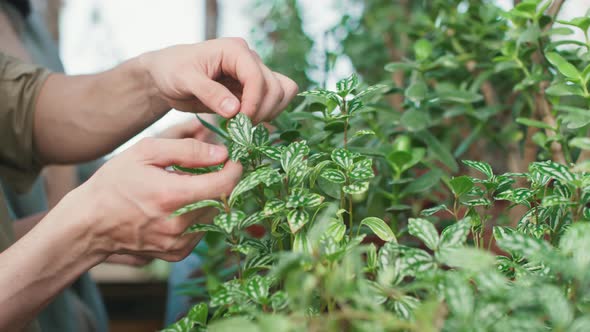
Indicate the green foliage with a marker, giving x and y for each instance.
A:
(354, 213)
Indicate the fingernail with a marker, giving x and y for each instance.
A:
(229, 106)
(217, 151)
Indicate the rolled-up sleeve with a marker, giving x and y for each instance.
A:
(20, 84)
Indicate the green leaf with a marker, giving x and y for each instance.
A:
(198, 314)
(459, 296)
(563, 66)
(345, 86)
(456, 234)
(274, 206)
(561, 89)
(362, 170)
(302, 244)
(270, 152)
(297, 219)
(574, 117)
(336, 229)
(557, 306)
(260, 135)
(430, 211)
(196, 206)
(519, 243)
(467, 258)
(240, 129)
(441, 152)
(213, 128)
(257, 289)
(425, 231)
(183, 325)
(415, 120)
(380, 228)
(422, 49)
(580, 143)
(333, 175)
(363, 132)
(356, 188)
(204, 228)
(237, 151)
(237, 323)
(229, 221)
(343, 158)
(553, 170)
(301, 198)
(461, 185)
(416, 92)
(370, 90)
(324, 95)
(293, 155)
(262, 175)
(480, 166)
(221, 297)
(424, 182)
(582, 22)
(533, 123)
(252, 219)
(279, 300)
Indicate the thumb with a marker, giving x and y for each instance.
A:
(215, 96)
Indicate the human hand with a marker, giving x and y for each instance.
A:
(132, 197)
(223, 76)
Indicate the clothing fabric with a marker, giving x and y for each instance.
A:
(79, 308)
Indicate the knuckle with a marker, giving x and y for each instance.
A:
(197, 149)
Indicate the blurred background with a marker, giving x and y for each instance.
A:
(95, 35)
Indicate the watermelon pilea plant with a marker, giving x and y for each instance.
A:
(316, 267)
(355, 213)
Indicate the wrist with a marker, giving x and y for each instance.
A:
(141, 65)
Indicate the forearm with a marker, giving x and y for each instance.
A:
(42, 263)
(79, 118)
(24, 225)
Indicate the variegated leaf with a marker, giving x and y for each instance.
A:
(264, 175)
(240, 129)
(356, 188)
(343, 158)
(362, 170)
(260, 135)
(456, 234)
(477, 202)
(252, 219)
(405, 306)
(430, 211)
(371, 89)
(257, 288)
(354, 105)
(183, 325)
(204, 228)
(554, 170)
(555, 200)
(302, 198)
(322, 94)
(336, 230)
(425, 231)
(363, 132)
(480, 166)
(301, 243)
(270, 152)
(198, 205)
(221, 298)
(279, 300)
(348, 84)
(380, 228)
(229, 221)
(237, 151)
(519, 243)
(293, 155)
(333, 175)
(274, 206)
(459, 296)
(198, 314)
(371, 255)
(297, 173)
(297, 219)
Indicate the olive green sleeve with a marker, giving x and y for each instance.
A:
(20, 84)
